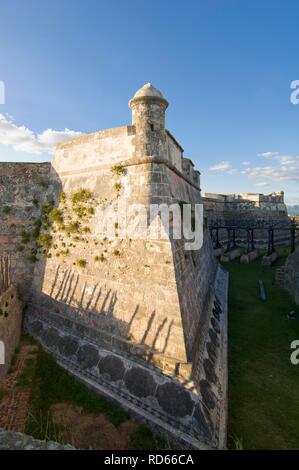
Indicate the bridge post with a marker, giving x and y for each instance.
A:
(293, 238)
(228, 240)
(270, 244)
(217, 238)
(252, 239)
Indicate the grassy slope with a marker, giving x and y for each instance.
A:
(51, 384)
(263, 384)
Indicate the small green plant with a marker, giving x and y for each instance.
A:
(237, 442)
(116, 253)
(45, 240)
(20, 248)
(25, 237)
(46, 209)
(56, 216)
(117, 187)
(79, 211)
(118, 170)
(100, 258)
(83, 195)
(86, 229)
(7, 210)
(35, 202)
(32, 258)
(81, 262)
(65, 252)
(37, 228)
(62, 197)
(90, 210)
(72, 227)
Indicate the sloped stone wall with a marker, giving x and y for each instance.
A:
(24, 188)
(10, 324)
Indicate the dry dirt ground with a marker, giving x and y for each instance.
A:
(91, 431)
(14, 405)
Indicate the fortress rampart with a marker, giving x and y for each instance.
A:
(142, 321)
(249, 209)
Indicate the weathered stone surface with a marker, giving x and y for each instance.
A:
(51, 338)
(291, 274)
(10, 325)
(67, 346)
(210, 371)
(88, 356)
(174, 399)
(230, 255)
(10, 440)
(207, 394)
(248, 209)
(249, 257)
(215, 325)
(200, 422)
(268, 260)
(140, 382)
(113, 367)
(135, 299)
(37, 328)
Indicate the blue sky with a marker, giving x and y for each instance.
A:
(224, 65)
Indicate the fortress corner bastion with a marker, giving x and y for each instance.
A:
(141, 321)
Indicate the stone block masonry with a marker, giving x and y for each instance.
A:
(146, 309)
(248, 209)
(24, 188)
(10, 324)
(291, 275)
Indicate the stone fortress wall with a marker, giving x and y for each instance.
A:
(10, 325)
(24, 187)
(249, 209)
(141, 321)
(291, 275)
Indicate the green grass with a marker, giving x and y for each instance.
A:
(143, 439)
(263, 384)
(27, 375)
(50, 384)
(2, 394)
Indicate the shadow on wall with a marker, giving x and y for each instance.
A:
(96, 312)
(70, 294)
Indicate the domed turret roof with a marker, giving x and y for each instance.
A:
(148, 91)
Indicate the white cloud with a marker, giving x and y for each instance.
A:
(23, 139)
(221, 167)
(268, 154)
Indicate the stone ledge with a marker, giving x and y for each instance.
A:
(230, 255)
(268, 260)
(10, 440)
(249, 257)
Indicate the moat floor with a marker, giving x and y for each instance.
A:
(41, 399)
(263, 384)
